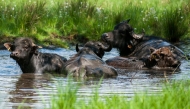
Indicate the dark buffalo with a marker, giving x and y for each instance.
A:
(137, 45)
(25, 53)
(88, 63)
(162, 58)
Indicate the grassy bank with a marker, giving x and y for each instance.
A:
(58, 22)
(173, 96)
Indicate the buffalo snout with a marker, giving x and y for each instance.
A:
(105, 35)
(14, 54)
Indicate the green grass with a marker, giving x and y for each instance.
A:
(173, 96)
(65, 97)
(82, 20)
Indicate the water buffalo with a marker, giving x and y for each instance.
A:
(25, 53)
(137, 45)
(88, 63)
(162, 58)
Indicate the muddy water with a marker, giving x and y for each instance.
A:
(34, 91)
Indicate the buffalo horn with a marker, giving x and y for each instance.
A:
(138, 36)
(105, 48)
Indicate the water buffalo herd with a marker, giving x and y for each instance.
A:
(137, 51)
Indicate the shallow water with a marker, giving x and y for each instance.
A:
(35, 91)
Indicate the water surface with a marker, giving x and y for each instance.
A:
(34, 91)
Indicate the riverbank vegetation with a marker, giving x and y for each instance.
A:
(60, 22)
(175, 95)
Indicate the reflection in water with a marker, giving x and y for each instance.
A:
(34, 91)
(26, 89)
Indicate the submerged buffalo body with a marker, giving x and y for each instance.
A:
(88, 63)
(25, 53)
(139, 46)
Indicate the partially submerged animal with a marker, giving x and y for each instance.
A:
(139, 46)
(30, 60)
(88, 63)
(130, 44)
(162, 58)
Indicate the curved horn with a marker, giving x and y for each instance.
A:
(106, 48)
(77, 47)
(138, 36)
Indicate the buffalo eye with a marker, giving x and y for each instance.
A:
(26, 48)
(153, 56)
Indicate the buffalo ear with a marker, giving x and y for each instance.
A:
(77, 47)
(8, 46)
(34, 48)
(152, 49)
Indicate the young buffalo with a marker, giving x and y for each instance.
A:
(162, 58)
(88, 63)
(25, 53)
(130, 44)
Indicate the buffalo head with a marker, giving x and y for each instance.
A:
(164, 57)
(123, 37)
(21, 48)
(97, 47)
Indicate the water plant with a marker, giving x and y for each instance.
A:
(175, 95)
(65, 97)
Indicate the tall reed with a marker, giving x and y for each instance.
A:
(173, 24)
